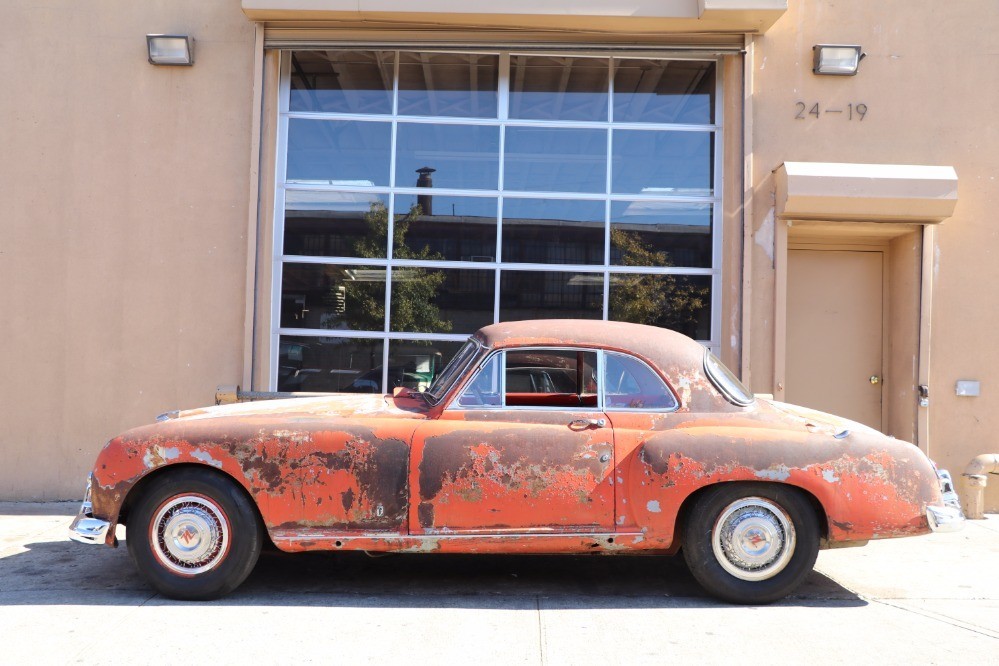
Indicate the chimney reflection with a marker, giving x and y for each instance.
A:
(425, 201)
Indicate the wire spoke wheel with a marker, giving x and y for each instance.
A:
(190, 534)
(193, 533)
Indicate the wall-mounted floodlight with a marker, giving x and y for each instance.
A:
(836, 59)
(170, 49)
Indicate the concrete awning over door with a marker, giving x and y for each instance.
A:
(832, 192)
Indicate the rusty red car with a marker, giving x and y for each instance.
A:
(538, 437)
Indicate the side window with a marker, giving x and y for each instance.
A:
(484, 389)
(551, 378)
(630, 384)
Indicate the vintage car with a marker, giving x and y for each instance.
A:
(538, 437)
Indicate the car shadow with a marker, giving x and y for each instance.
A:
(65, 573)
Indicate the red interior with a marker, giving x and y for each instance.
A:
(550, 400)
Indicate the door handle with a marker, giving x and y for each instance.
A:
(588, 423)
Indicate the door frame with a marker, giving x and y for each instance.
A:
(883, 249)
(865, 236)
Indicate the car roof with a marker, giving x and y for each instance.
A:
(666, 349)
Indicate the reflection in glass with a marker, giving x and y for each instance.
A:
(462, 156)
(678, 302)
(341, 81)
(338, 152)
(415, 364)
(452, 228)
(333, 297)
(448, 84)
(553, 231)
(334, 224)
(549, 371)
(319, 364)
(484, 389)
(662, 162)
(545, 159)
(551, 295)
(660, 233)
(664, 91)
(630, 384)
(558, 88)
(439, 300)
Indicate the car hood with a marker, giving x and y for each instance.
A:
(816, 421)
(327, 406)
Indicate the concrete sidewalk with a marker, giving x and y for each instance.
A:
(932, 599)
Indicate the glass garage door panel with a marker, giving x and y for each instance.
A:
(424, 194)
(441, 227)
(462, 156)
(448, 84)
(335, 224)
(558, 159)
(339, 365)
(346, 153)
(551, 295)
(661, 234)
(678, 302)
(333, 297)
(663, 163)
(553, 231)
(342, 81)
(441, 300)
(558, 88)
(664, 91)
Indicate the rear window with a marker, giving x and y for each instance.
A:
(726, 381)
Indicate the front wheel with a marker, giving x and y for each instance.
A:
(194, 534)
(751, 543)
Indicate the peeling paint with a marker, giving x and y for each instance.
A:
(779, 473)
(206, 458)
(653, 506)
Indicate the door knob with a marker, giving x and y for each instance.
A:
(875, 379)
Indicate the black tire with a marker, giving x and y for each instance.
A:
(217, 534)
(733, 569)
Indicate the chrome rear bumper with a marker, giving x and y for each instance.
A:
(949, 517)
(85, 528)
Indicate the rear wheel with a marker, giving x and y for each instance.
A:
(194, 534)
(751, 543)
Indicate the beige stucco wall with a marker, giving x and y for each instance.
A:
(929, 88)
(123, 214)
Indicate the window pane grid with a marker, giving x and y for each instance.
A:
(544, 263)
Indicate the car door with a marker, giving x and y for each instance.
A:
(523, 448)
(639, 405)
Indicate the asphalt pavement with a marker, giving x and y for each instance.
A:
(923, 600)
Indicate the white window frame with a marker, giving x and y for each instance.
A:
(502, 121)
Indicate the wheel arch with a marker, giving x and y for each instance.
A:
(136, 491)
(683, 513)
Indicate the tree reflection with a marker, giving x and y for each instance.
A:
(669, 301)
(414, 290)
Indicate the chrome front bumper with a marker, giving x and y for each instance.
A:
(949, 517)
(85, 528)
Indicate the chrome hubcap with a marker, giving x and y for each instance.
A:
(753, 539)
(190, 534)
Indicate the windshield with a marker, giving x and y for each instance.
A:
(453, 370)
(726, 381)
